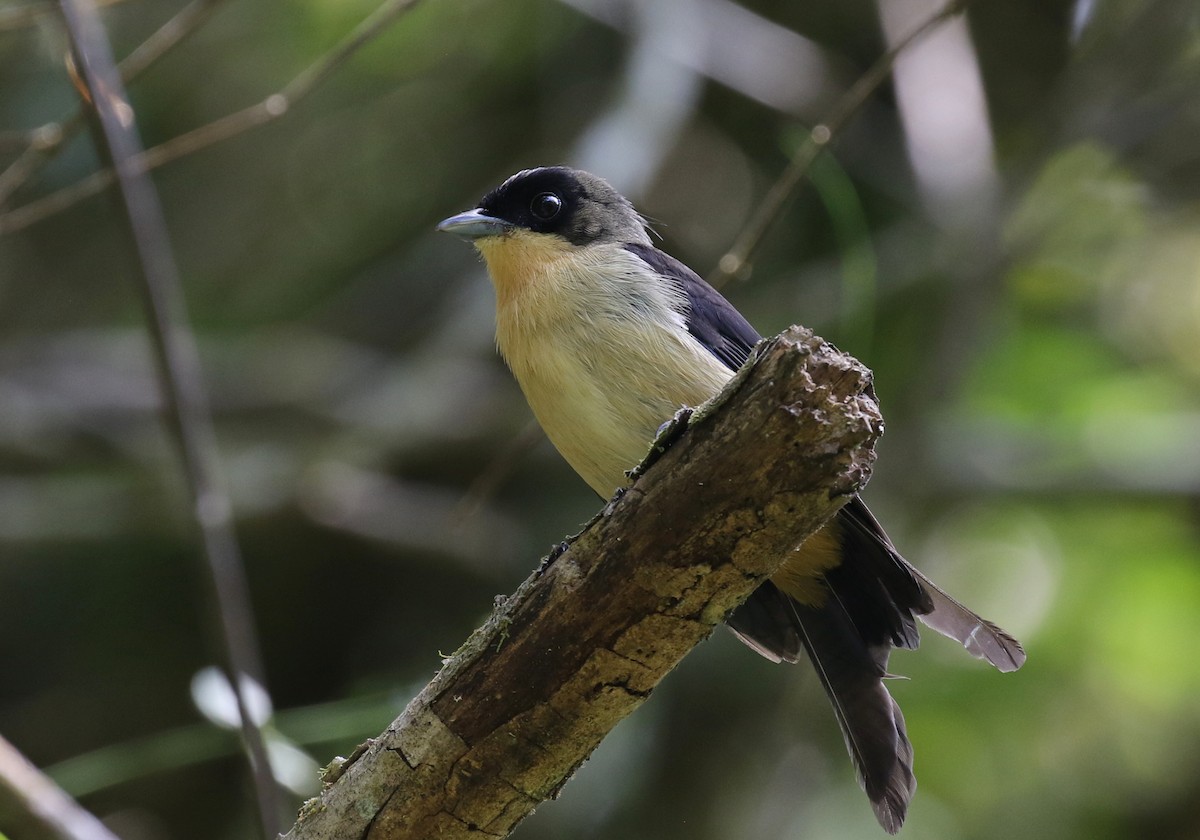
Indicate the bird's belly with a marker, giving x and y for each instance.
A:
(602, 394)
(601, 410)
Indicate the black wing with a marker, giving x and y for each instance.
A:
(712, 320)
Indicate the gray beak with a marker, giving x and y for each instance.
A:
(474, 224)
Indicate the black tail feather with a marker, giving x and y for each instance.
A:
(852, 675)
(872, 725)
(871, 599)
(766, 624)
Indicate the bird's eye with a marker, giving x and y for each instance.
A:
(546, 206)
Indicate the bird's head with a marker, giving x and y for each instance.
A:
(575, 207)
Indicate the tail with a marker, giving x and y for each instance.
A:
(852, 674)
(868, 607)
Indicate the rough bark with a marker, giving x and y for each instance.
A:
(587, 637)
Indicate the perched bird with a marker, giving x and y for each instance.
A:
(608, 336)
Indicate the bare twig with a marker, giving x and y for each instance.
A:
(29, 14)
(46, 142)
(42, 145)
(186, 21)
(10, 139)
(362, 35)
(32, 807)
(223, 128)
(179, 373)
(736, 261)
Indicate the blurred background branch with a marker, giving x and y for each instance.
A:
(31, 804)
(47, 140)
(29, 14)
(180, 377)
(225, 128)
(736, 261)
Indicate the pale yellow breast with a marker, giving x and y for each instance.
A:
(599, 349)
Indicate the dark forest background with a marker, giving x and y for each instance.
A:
(1008, 235)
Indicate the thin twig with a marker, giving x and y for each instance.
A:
(14, 140)
(223, 128)
(46, 142)
(361, 35)
(180, 375)
(32, 807)
(18, 17)
(186, 21)
(737, 260)
(43, 144)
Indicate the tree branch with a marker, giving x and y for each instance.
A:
(588, 636)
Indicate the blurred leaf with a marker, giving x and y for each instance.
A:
(1075, 226)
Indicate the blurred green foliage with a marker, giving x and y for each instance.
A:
(1038, 362)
